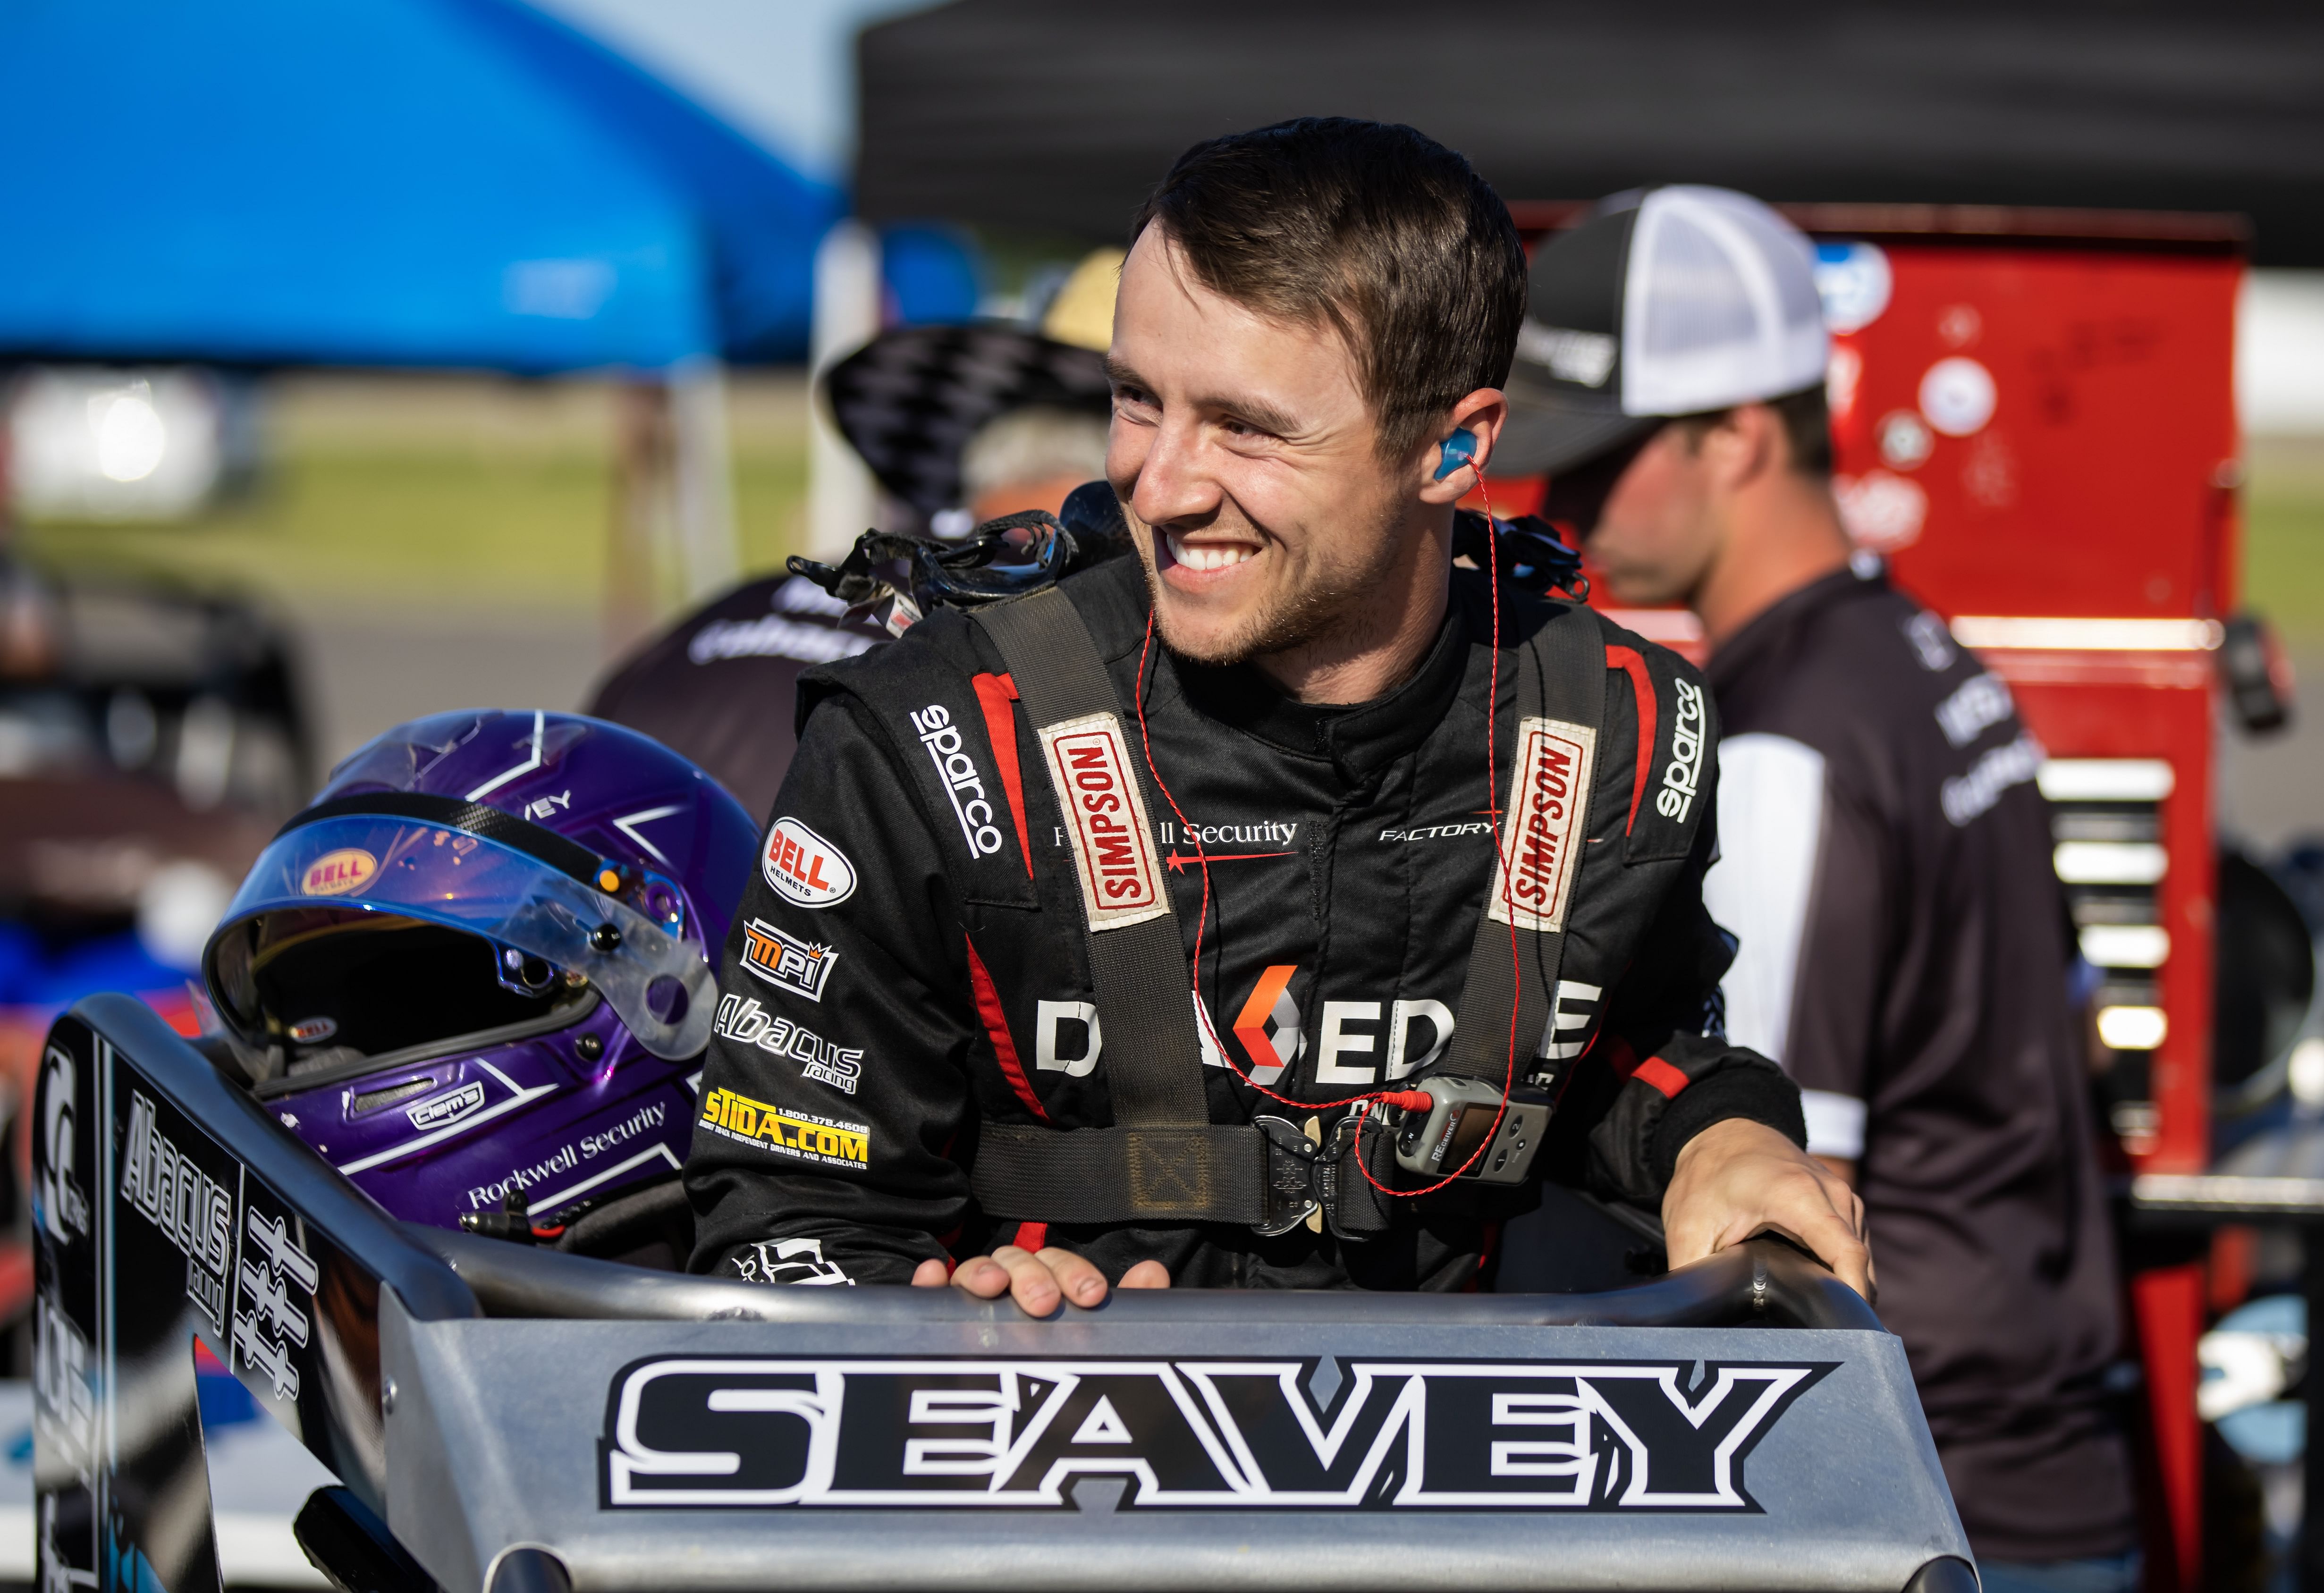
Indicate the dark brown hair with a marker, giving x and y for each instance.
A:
(1807, 429)
(1371, 229)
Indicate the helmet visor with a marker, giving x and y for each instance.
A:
(659, 984)
(334, 985)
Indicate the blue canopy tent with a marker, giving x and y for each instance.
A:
(380, 182)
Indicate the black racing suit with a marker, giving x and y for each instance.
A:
(910, 960)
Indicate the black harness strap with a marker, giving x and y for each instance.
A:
(1166, 1158)
(1209, 1174)
(1561, 714)
(1154, 1061)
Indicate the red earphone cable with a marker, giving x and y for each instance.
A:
(1365, 1101)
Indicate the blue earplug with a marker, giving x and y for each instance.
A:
(1460, 449)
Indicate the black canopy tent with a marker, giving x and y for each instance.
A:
(1055, 115)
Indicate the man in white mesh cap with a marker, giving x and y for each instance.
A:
(1884, 856)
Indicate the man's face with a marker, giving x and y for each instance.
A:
(1644, 516)
(1247, 458)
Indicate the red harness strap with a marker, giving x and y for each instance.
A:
(1641, 686)
(994, 692)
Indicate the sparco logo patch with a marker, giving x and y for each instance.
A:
(1113, 848)
(805, 868)
(1683, 776)
(1549, 790)
(802, 967)
(800, 1136)
(1204, 1434)
(961, 781)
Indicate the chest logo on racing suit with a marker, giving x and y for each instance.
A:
(1550, 790)
(1114, 847)
(1683, 776)
(805, 868)
(962, 781)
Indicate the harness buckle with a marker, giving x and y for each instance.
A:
(1304, 1177)
(1292, 1194)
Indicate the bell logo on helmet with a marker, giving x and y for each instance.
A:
(805, 868)
(308, 1030)
(336, 874)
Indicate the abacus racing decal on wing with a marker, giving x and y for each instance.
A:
(759, 1432)
(962, 781)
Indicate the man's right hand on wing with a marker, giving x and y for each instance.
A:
(1037, 1281)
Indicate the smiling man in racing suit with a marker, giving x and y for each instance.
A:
(1278, 761)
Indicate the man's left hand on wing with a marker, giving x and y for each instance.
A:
(1738, 1178)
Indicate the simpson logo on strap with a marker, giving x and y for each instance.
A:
(1549, 790)
(1119, 872)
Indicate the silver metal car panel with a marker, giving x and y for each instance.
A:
(497, 1437)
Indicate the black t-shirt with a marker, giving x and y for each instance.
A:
(1885, 862)
(721, 686)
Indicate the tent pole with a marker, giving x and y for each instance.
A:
(841, 500)
(640, 525)
(709, 559)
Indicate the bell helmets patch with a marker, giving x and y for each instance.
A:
(805, 868)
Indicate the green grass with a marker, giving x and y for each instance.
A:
(475, 492)
(2283, 536)
(464, 494)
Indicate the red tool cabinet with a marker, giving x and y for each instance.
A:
(2034, 422)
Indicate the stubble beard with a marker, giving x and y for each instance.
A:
(1320, 605)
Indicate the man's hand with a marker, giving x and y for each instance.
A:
(1037, 1281)
(1738, 1178)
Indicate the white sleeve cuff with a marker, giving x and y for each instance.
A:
(1835, 1124)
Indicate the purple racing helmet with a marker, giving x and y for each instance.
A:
(475, 975)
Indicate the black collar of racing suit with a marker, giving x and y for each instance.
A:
(1359, 739)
